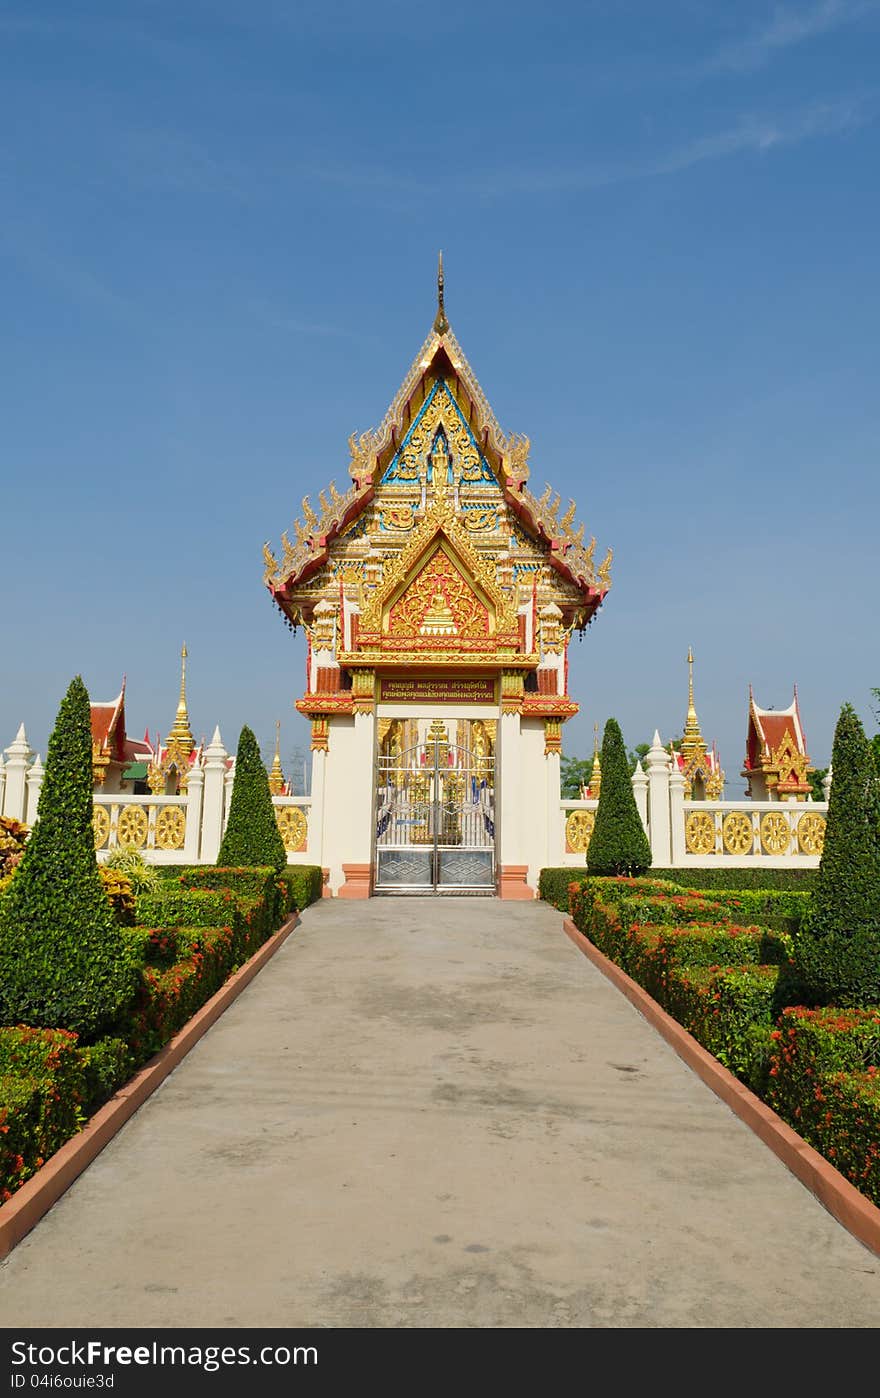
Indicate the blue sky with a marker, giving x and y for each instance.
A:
(219, 230)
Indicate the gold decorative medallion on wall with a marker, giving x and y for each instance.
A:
(293, 828)
(133, 826)
(699, 833)
(737, 833)
(775, 833)
(100, 826)
(579, 830)
(811, 833)
(170, 827)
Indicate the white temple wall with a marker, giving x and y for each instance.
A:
(348, 795)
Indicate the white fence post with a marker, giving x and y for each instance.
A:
(212, 798)
(657, 762)
(676, 815)
(2, 781)
(826, 783)
(640, 792)
(194, 788)
(35, 774)
(18, 757)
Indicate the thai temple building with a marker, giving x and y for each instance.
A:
(119, 763)
(698, 764)
(439, 596)
(777, 764)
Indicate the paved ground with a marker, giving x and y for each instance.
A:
(436, 1113)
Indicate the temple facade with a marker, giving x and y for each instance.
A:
(439, 595)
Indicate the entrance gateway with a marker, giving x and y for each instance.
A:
(435, 812)
(439, 596)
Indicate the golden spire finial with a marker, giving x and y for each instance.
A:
(596, 774)
(276, 776)
(181, 733)
(441, 324)
(692, 738)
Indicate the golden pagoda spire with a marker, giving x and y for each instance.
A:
(276, 776)
(180, 735)
(596, 774)
(692, 739)
(441, 324)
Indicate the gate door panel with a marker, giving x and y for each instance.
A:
(435, 819)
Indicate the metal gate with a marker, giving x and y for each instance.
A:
(435, 820)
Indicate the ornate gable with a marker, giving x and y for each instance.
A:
(438, 439)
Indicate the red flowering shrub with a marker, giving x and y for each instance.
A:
(730, 1010)
(41, 1092)
(823, 1075)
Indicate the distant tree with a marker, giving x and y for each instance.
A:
(64, 960)
(618, 844)
(252, 836)
(837, 951)
(574, 776)
(816, 778)
(875, 741)
(636, 755)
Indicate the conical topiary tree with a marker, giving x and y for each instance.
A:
(64, 960)
(837, 951)
(618, 844)
(252, 834)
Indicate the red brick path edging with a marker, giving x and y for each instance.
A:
(858, 1215)
(36, 1197)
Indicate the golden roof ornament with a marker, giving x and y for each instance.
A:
(180, 735)
(276, 775)
(441, 324)
(595, 782)
(692, 739)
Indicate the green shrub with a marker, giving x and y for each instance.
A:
(618, 844)
(13, 838)
(20, 1106)
(653, 954)
(304, 884)
(822, 1081)
(172, 906)
(50, 1061)
(106, 1065)
(63, 959)
(727, 877)
(169, 996)
(731, 1011)
(837, 953)
(118, 891)
(129, 861)
(252, 835)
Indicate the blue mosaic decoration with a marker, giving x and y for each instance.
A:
(439, 424)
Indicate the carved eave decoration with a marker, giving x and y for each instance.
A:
(440, 531)
(440, 359)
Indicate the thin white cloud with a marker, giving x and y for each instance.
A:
(752, 133)
(788, 27)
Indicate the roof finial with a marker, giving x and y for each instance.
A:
(181, 733)
(276, 775)
(692, 738)
(595, 783)
(441, 324)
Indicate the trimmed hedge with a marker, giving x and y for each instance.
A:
(823, 1081)
(304, 884)
(41, 1094)
(789, 880)
(652, 954)
(252, 835)
(618, 844)
(553, 885)
(185, 907)
(64, 960)
(731, 1011)
(49, 1082)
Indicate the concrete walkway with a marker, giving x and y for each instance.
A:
(436, 1113)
